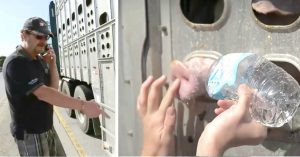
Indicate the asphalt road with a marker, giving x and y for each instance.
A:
(74, 141)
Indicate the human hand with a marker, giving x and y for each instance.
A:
(232, 127)
(158, 116)
(192, 75)
(50, 57)
(91, 109)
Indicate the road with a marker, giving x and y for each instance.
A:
(74, 141)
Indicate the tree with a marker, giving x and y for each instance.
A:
(2, 58)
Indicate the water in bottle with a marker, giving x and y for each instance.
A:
(277, 95)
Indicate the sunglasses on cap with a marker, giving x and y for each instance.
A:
(37, 36)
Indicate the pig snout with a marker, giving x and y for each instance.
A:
(192, 74)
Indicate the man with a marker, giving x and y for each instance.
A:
(31, 83)
(232, 127)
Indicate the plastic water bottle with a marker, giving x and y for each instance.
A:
(278, 93)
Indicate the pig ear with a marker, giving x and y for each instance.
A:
(179, 70)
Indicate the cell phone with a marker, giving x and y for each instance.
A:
(47, 47)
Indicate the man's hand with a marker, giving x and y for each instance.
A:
(50, 57)
(158, 116)
(91, 109)
(232, 127)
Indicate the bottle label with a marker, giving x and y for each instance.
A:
(224, 74)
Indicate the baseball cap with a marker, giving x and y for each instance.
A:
(38, 25)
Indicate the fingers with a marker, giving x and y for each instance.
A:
(245, 96)
(149, 97)
(169, 123)
(98, 111)
(143, 96)
(52, 54)
(92, 109)
(225, 103)
(219, 111)
(155, 94)
(49, 56)
(169, 97)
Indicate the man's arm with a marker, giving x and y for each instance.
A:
(50, 58)
(54, 79)
(54, 97)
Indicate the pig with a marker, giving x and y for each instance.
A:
(193, 74)
(276, 12)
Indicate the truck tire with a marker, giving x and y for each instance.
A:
(84, 93)
(66, 89)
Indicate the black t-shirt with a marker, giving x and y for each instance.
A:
(22, 76)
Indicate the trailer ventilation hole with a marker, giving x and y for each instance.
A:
(79, 9)
(279, 13)
(68, 22)
(91, 12)
(102, 36)
(202, 11)
(103, 47)
(92, 21)
(289, 68)
(73, 16)
(103, 18)
(59, 31)
(93, 40)
(94, 49)
(107, 45)
(88, 2)
(107, 34)
(64, 26)
(88, 15)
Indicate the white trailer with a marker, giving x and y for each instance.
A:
(85, 37)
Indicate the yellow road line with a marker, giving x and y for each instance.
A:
(70, 133)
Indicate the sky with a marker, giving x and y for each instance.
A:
(13, 14)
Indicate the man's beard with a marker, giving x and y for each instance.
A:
(39, 49)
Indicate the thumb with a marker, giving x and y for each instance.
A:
(245, 97)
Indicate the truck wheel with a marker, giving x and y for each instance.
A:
(66, 89)
(83, 93)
